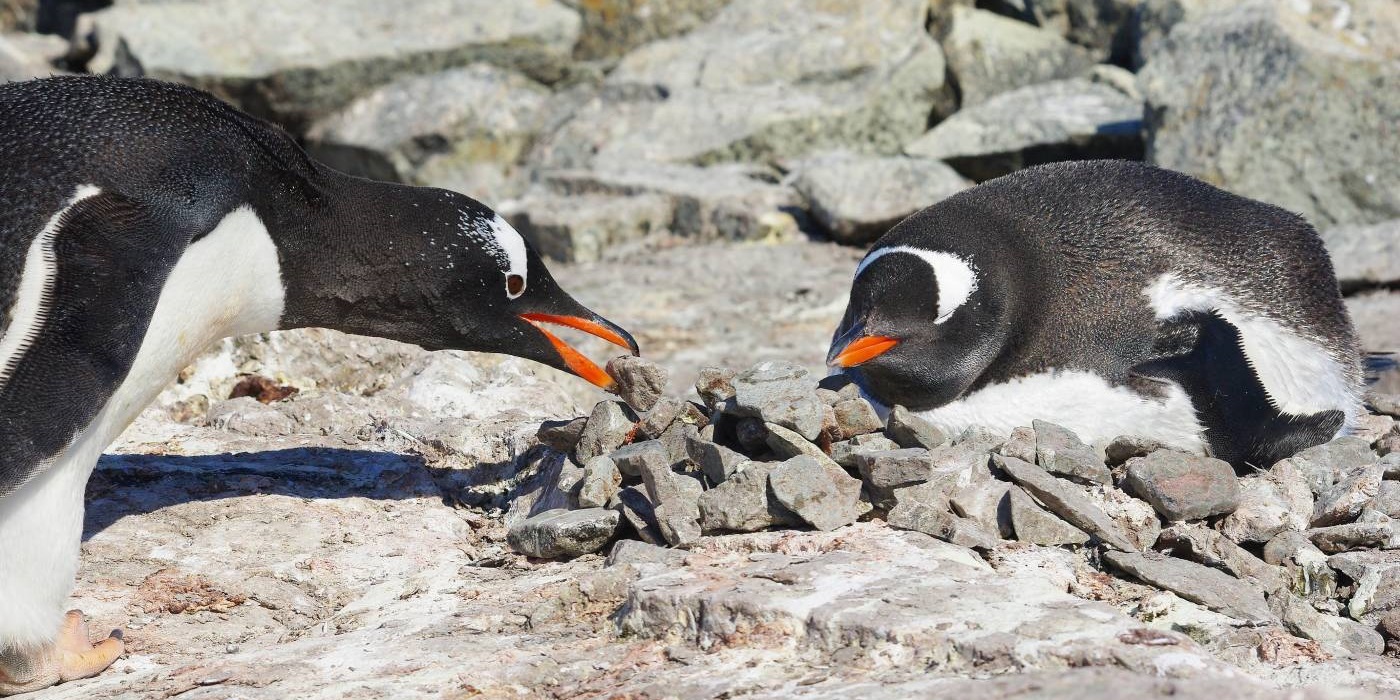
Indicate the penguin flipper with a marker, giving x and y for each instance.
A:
(1201, 352)
(110, 258)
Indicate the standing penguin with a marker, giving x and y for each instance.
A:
(1112, 298)
(142, 221)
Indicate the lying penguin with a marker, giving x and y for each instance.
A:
(139, 223)
(1112, 298)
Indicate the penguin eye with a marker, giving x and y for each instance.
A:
(515, 286)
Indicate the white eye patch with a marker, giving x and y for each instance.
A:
(956, 277)
(503, 243)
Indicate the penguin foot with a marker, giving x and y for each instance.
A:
(70, 658)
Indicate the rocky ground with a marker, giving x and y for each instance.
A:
(706, 173)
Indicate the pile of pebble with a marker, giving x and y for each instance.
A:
(1309, 543)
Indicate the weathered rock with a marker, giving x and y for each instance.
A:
(600, 484)
(896, 468)
(1326, 464)
(743, 503)
(716, 461)
(640, 513)
(675, 440)
(911, 431)
(246, 415)
(1377, 593)
(1134, 517)
(1271, 502)
(1287, 91)
(844, 452)
(1021, 445)
(1074, 119)
(787, 443)
(1208, 547)
(637, 552)
(660, 416)
(1302, 619)
(715, 386)
(1216, 590)
(1367, 255)
(1060, 452)
(989, 54)
(563, 533)
(1182, 486)
(856, 198)
(611, 28)
(1387, 498)
(1126, 447)
(587, 227)
(807, 487)
(987, 503)
(1310, 574)
(1342, 538)
(1036, 525)
(239, 49)
(770, 384)
(1065, 500)
(638, 458)
(856, 417)
(1102, 26)
(1346, 499)
(561, 435)
(926, 508)
(607, 429)
(640, 382)
(1387, 404)
(1373, 314)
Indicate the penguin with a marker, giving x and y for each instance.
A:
(140, 222)
(1113, 298)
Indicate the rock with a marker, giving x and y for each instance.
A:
(640, 382)
(1366, 256)
(640, 513)
(1102, 26)
(896, 468)
(1182, 486)
(1310, 574)
(856, 417)
(1387, 498)
(659, 417)
(715, 386)
(1021, 445)
(1270, 502)
(1302, 619)
(1133, 516)
(1346, 499)
(1342, 538)
(856, 198)
(586, 228)
(440, 129)
(1377, 593)
(239, 49)
(743, 503)
(1290, 91)
(1126, 447)
(1206, 546)
(989, 54)
(601, 482)
(563, 533)
(1216, 590)
(1061, 120)
(1036, 525)
(1326, 464)
(1060, 452)
(1371, 427)
(1387, 404)
(635, 552)
(1373, 314)
(925, 508)
(248, 416)
(986, 503)
(638, 458)
(26, 56)
(607, 429)
(844, 452)
(806, 487)
(770, 384)
(909, 430)
(1065, 500)
(716, 461)
(788, 444)
(752, 436)
(611, 28)
(561, 435)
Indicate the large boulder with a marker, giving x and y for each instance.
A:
(765, 80)
(989, 54)
(1103, 26)
(298, 61)
(856, 198)
(1060, 120)
(611, 28)
(1282, 107)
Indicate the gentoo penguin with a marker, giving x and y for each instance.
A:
(142, 221)
(1112, 298)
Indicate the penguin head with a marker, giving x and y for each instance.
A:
(440, 270)
(920, 327)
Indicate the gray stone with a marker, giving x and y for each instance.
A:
(1309, 570)
(1387, 498)
(640, 382)
(561, 435)
(1065, 500)
(607, 429)
(1102, 26)
(26, 56)
(246, 415)
(600, 484)
(1216, 590)
(1346, 499)
(716, 461)
(989, 54)
(1356, 564)
(769, 384)
(896, 468)
(1374, 314)
(1270, 502)
(856, 417)
(808, 488)
(674, 440)
(926, 508)
(1377, 593)
(1302, 619)
(1387, 404)
(1134, 517)
(1342, 538)
(1182, 486)
(911, 431)
(679, 524)
(637, 552)
(1326, 464)
(674, 497)
(636, 459)
(743, 503)
(1060, 452)
(587, 227)
(1036, 525)
(856, 198)
(1021, 445)
(844, 452)
(1126, 447)
(979, 441)
(1061, 120)
(611, 28)
(239, 48)
(640, 512)
(1367, 255)
(829, 397)
(987, 503)
(659, 417)
(1206, 546)
(715, 385)
(1287, 92)
(563, 533)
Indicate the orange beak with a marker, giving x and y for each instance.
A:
(575, 360)
(863, 349)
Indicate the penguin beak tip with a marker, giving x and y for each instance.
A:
(574, 360)
(861, 350)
